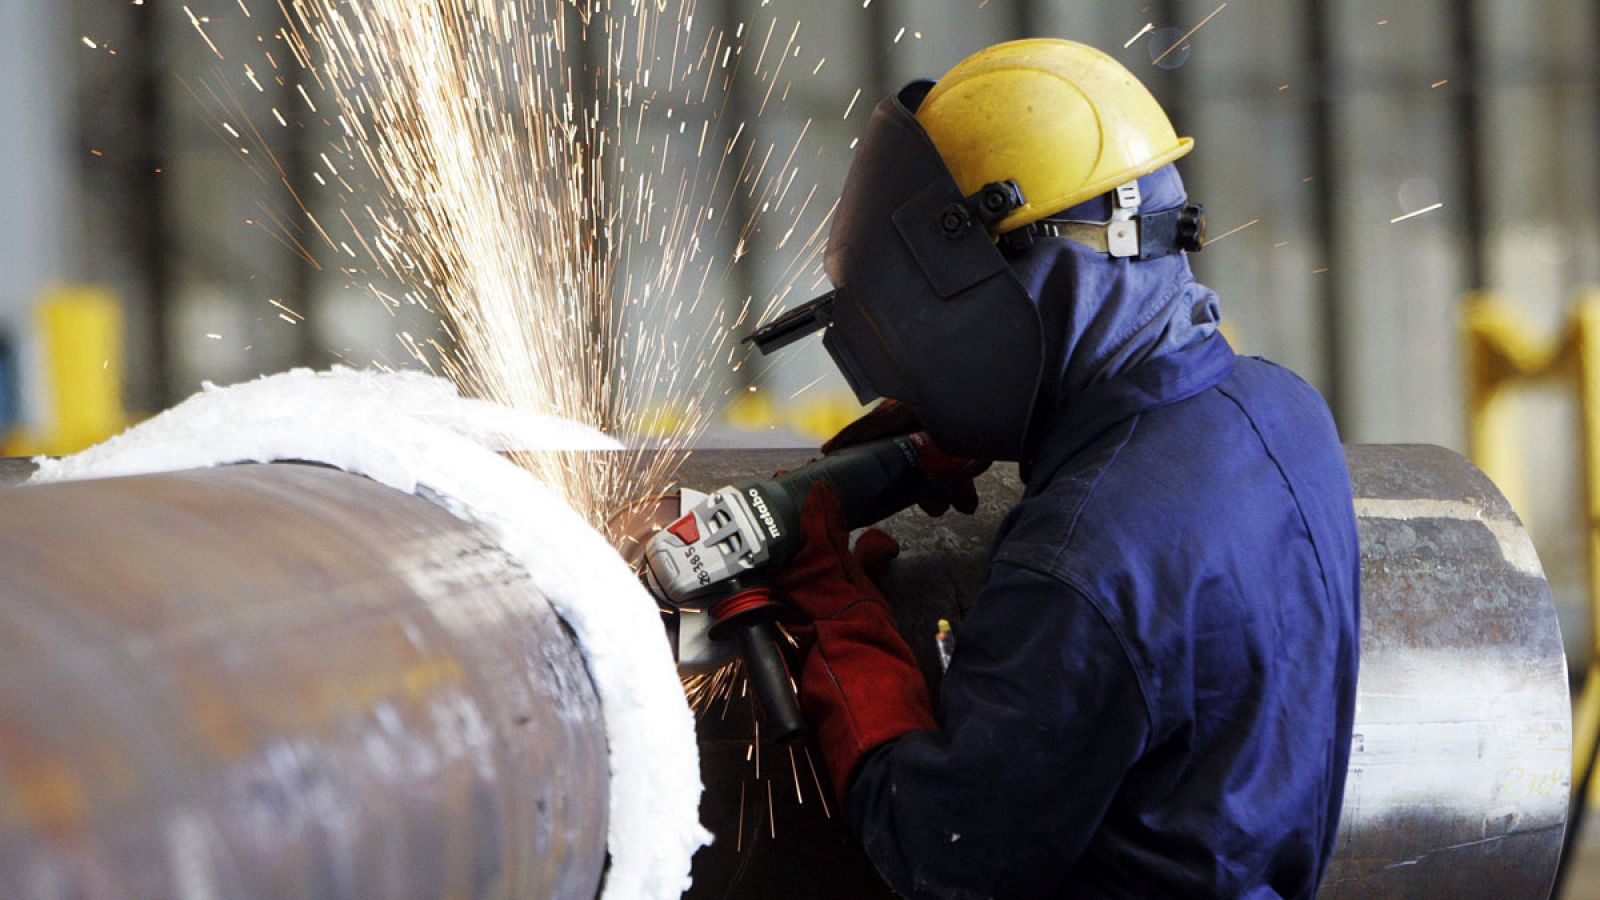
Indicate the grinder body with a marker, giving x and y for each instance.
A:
(713, 556)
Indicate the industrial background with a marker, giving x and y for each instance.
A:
(1402, 196)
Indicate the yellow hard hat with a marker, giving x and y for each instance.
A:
(1063, 120)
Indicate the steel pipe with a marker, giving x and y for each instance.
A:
(283, 681)
(1462, 757)
(1460, 764)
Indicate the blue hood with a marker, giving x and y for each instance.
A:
(1103, 316)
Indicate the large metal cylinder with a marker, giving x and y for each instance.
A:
(283, 681)
(1460, 764)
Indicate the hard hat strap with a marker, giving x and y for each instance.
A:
(1128, 235)
(1122, 232)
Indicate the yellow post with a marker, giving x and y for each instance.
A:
(1585, 341)
(80, 346)
(823, 417)
(1586, 344)
(1500, 353)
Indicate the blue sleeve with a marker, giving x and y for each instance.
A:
(1042, 715)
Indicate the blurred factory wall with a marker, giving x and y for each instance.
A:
(1539, 246)
(1318, 122)
(39, 160)
(1365, 165)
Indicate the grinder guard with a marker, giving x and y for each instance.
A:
(928, 310)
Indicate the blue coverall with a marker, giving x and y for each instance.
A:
(1153, 694)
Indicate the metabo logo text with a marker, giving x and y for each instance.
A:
(765, 515)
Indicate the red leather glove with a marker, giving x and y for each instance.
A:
(859, 684)
(891, 418)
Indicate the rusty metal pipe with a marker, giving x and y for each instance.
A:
(283, 681)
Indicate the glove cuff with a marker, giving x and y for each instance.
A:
(861, 688)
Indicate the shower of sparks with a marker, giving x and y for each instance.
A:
(1188, 34)
(509, 166)
(509, 169)
(1416, 212)
(794, 769)
(739, 846)
(1230, 232)
(706, 689)
(1148, 27)
(196, 22)
(809, 386)
(822, 794)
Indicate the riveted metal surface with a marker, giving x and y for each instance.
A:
(1460, 761)
(283, 681)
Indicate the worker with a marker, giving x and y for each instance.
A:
(1152, 694)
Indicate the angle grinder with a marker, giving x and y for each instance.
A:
(711, 559)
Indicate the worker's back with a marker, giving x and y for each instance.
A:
(1216, 537)
(1153, 693)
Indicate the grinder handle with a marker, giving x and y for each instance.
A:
(758, 644)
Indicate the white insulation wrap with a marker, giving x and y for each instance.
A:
(408, 430)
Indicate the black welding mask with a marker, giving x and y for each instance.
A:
(926, 309)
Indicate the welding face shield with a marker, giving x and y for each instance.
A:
(927, 310)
